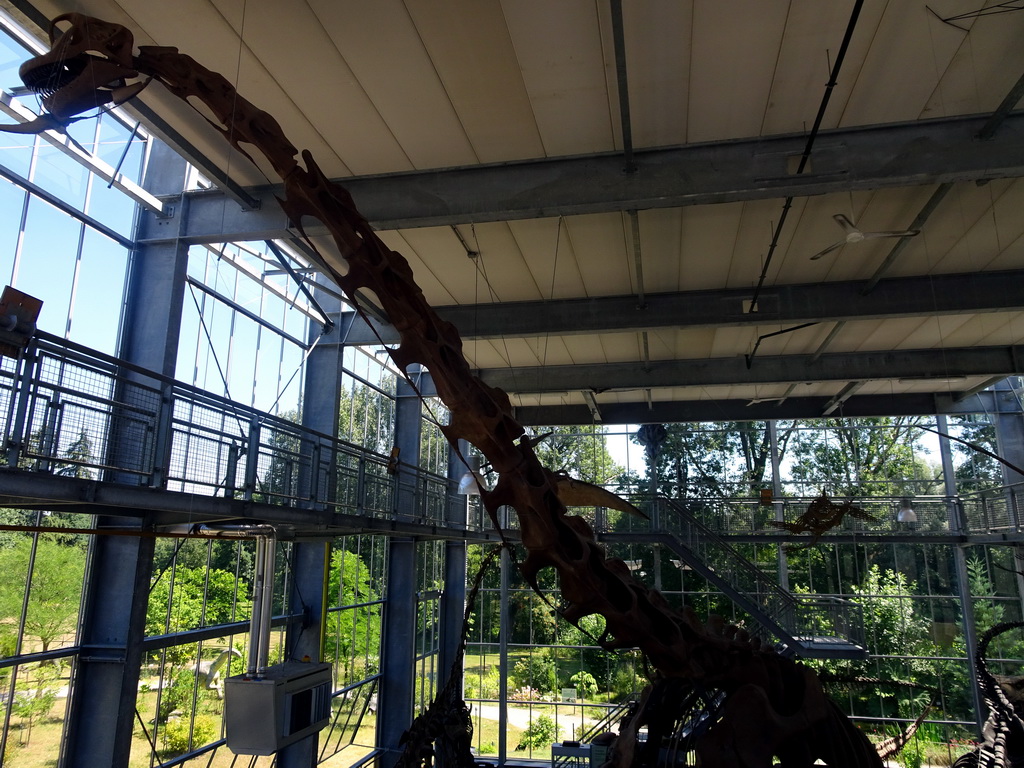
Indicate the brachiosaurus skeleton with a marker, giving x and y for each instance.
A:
(773, 705)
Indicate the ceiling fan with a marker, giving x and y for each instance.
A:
(854, 235)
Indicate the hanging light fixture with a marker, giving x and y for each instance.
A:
(471, 482)
(906, 513)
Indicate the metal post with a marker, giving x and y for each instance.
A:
(408, 424)
(101, 709)
(262, 606)
(503, 630)
(398, 650)
(777, 503)
(311, 559)
(453, 598)
(16, 436)
(1009, 424)
(963, 583)
(252, 458)
(162, 438)
(310, 563)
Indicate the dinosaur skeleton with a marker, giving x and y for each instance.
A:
(771, 705)
(1003, 734)
(821, 516)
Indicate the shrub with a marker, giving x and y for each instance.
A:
(625, 682)
(484, 686)
(176, 733)
(178, 695)
(585, 684)
(535, 671)
(541, 732)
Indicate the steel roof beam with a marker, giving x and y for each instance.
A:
(742, 410)
(897, 155)
(924, 364)
(785, 304)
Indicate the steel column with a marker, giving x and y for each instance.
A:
(777, 503)
(398, 652)
(101, 711)
(311, 559)
(1009, 423)
(453, 598)
(963, 583)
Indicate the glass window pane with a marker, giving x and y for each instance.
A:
(101, 277)
(57, 173)
(46, 266)
(12, 201)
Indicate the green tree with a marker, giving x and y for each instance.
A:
(862, 457)
(55, 587)
(581, 452)
(280, 481)
(367, 415)
(185, 598)
(351, 633)
(716, 460)
(894, 632)
(78, 456)
(975, 471)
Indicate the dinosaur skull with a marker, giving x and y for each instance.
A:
(86, 67)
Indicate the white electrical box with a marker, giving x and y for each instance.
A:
(290, 702)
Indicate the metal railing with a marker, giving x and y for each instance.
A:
(995, 510)
(67, 410)
(794, 618)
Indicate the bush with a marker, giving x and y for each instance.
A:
(176, 733)
(585, 684)
(541, 732)
(484, 686)
(535, 671)
(625, 682)
(178, 695)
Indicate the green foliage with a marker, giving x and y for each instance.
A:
(862, 457)
(231, 555)
(974, 470)
(912, 754)
(532, 620)
(541, 732)
(56, 586)
(988, 611)
(591, 658)
(366, 415)
(578, 451)
(178, 696)
(890, 623)
(585, 684)
(78, 454)
(36, 700)
(715, 459)
(187, 598)
(537, 671)
(482, 686)
(624, 681)
(175, 734)
(352, 634)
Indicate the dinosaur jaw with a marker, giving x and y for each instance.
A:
(88, 65)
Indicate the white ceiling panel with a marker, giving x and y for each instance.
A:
(419, 87)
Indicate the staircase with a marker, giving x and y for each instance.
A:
(811, 627)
